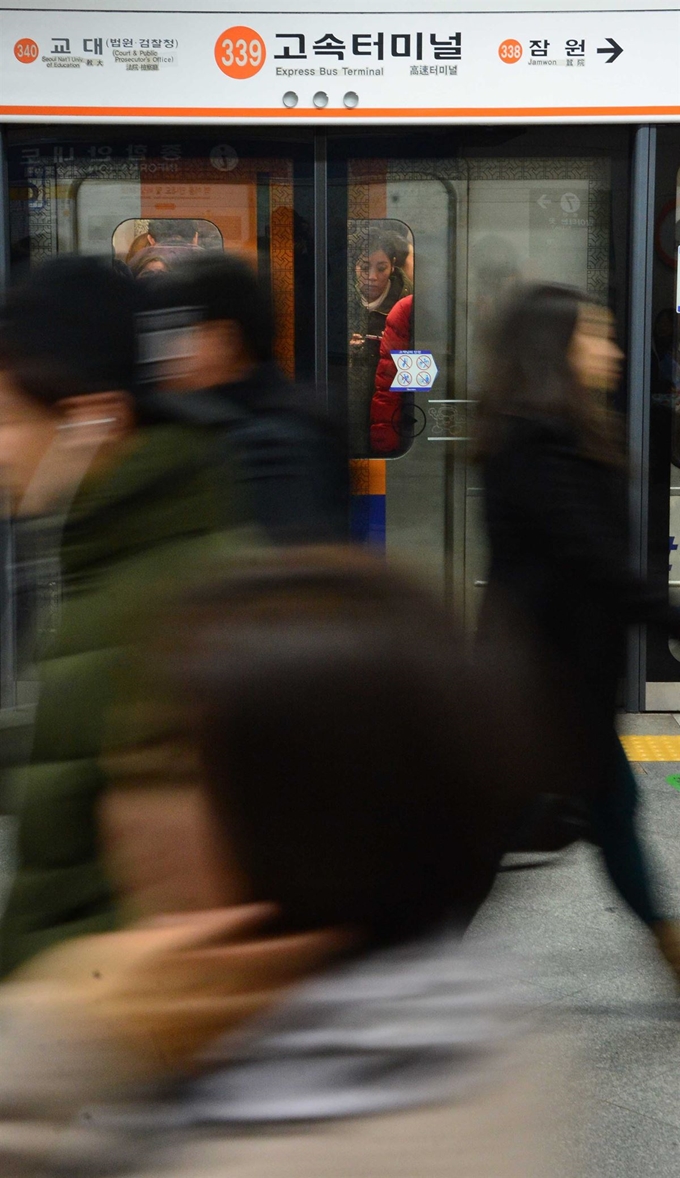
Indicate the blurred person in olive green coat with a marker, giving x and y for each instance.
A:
(139, 517)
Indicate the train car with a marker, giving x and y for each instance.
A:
(491, 145)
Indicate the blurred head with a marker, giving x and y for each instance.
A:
(148, 263)
(593, 354)
(139, 243)
(550, 352)
(375, 266)
(157, 260)
(169, 230)
(401, 248)
(341, 732)
(67, 356)
(231, 327)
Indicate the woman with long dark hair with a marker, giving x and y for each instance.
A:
(556, 508)
(331, 1019)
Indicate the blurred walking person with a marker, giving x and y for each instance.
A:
(140, 509)
(329, 1019)
(213, 368)
(556, 509)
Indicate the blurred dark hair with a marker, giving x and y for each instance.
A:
(67, 329)
(348, 743)
(400, 247)
(378, 241)
(167, 230)
(222, 287)
(528, 373)
(171, 256)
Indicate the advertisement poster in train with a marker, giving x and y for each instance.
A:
(340, 65)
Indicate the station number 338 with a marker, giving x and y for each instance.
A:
(510, 51)
(240, 52)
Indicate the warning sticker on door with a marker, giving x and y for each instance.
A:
(415, 370)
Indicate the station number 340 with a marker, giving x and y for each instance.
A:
(240, 52)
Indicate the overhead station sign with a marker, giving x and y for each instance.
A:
(97, 65)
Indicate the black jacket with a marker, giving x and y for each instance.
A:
(289, 464)
(557, 526)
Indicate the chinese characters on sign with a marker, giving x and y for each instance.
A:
(396, 63)
(135, 53)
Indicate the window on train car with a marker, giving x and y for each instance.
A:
(152, 246)
(380, 321)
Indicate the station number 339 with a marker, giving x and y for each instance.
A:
(240, 52)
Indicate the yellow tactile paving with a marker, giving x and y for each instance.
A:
(651, 748)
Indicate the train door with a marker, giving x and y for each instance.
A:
(464, 213)
(467, 227)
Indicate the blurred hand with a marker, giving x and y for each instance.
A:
(161, 991)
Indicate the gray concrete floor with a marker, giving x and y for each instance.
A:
(596, 977)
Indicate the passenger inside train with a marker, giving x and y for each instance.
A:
(378, 283)
(163, 243)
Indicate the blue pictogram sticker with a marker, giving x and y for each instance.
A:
(424, 364)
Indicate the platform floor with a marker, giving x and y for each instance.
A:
(596, 977)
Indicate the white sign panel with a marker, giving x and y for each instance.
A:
(415, 370)
(339, 66)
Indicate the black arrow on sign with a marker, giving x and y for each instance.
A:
(612, 48)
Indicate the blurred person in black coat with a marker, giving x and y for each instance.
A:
(556, 509)
(207, 359)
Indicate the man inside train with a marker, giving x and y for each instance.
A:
(166, 243)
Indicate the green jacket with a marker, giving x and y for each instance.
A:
(133, 539)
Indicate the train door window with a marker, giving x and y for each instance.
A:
(474, 224)
(149, 246)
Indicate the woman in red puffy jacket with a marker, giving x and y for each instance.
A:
(386, 405)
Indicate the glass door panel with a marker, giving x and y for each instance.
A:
(475, 227)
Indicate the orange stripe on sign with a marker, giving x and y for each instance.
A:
(277, 112)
